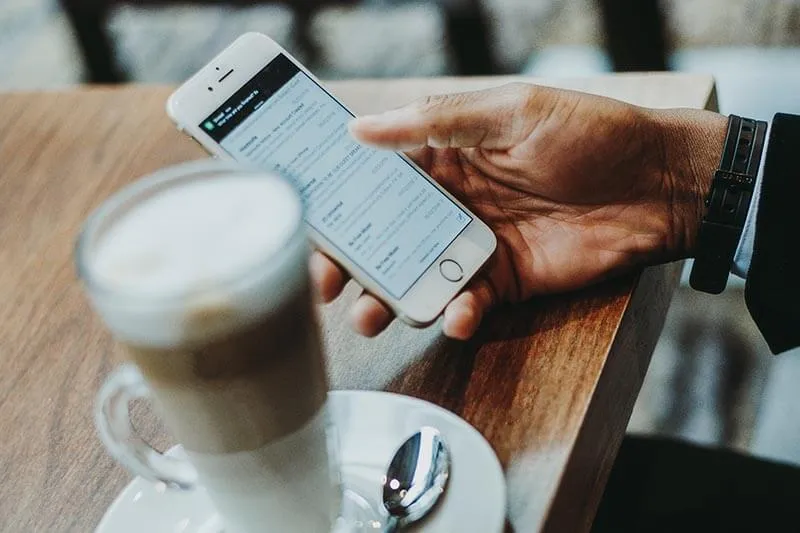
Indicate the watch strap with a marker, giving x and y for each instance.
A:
(727, 204)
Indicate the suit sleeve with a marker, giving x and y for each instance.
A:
(772, 290)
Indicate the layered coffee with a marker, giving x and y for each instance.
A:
(205, 283)
(242, 389)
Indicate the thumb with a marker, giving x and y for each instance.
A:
(487, 118)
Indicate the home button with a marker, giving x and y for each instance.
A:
(451, 271)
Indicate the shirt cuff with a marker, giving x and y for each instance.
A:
(744, 251)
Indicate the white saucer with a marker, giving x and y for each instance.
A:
(371, 426)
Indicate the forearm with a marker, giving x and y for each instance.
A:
(692, 144)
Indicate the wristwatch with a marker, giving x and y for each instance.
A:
(727, 204)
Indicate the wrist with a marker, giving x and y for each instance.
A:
(690, 143)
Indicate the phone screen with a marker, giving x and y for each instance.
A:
(372, 205)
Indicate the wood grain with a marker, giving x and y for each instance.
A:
(550, 383)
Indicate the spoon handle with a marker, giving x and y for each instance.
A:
(392, 524)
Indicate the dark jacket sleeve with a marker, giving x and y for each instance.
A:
(773, 282)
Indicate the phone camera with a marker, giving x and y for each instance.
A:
(210, 88)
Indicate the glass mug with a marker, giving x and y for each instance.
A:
(200, 271)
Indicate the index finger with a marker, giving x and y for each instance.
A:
(486, 118)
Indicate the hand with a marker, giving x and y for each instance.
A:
(576, 187)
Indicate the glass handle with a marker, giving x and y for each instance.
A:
(112, 417)
(392, 524)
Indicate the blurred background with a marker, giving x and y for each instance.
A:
(712, 379)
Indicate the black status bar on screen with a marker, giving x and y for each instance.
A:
(250, 97)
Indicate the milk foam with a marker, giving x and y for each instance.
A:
(221, 247)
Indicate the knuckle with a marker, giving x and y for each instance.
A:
(436, 102)
(440, 114)
(432, 101)
(521, 91)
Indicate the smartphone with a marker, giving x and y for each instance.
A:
(392, 227)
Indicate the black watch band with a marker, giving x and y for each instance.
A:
(727, 204)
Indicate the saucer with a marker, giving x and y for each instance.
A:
(371, 425)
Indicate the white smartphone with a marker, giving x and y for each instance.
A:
(392, 227)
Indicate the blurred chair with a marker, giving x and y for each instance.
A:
(635, 34)
(466, 30)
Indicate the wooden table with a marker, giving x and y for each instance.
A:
(550, 383)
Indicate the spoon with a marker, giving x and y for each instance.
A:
(416, 478)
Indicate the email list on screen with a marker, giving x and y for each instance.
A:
(370, 204)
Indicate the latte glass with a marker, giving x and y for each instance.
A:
(200, 273)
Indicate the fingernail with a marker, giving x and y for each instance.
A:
(450, 325)
(447, 322)
(388, 118)
(365, 121)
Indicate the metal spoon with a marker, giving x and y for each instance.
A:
(415, 479)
